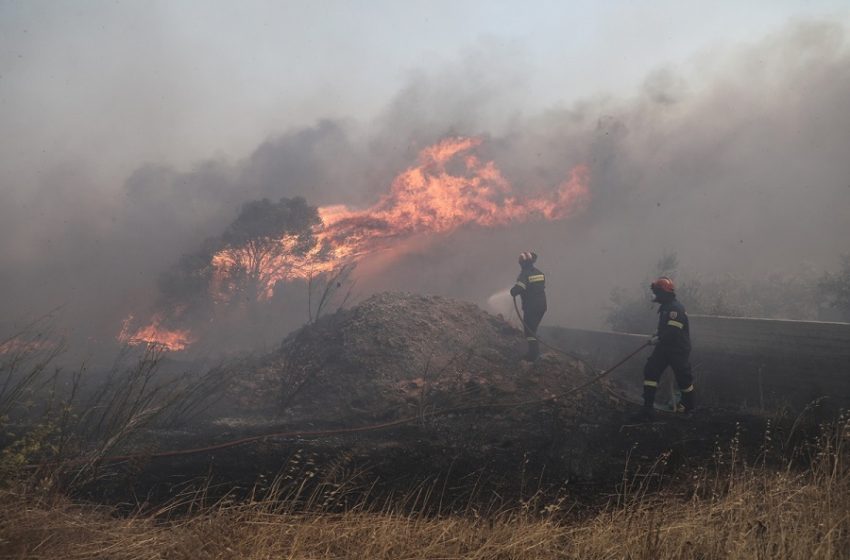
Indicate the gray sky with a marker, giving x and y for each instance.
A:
(178, 81)
(132, 131)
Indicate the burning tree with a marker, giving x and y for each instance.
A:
(232, 277)
(268, 242)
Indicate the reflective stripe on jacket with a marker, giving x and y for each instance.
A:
(674, 329)
(531, 286)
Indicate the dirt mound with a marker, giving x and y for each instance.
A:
(409, 388)
(400, 354)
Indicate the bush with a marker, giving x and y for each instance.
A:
(777, 296)
(835, 289)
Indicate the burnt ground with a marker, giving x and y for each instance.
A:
(481, 425)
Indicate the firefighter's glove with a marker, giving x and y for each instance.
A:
(653, 340)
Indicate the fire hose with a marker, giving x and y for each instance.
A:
(291, 434)
(601, 373)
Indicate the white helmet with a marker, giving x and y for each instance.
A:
(528, 257)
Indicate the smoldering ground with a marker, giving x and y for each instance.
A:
(736, 161)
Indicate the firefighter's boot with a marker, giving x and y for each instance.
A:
(647, 411)
(533, 350)
(649, 390)
(688, 401)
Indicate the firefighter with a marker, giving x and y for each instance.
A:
(531, 287)
(672, 342)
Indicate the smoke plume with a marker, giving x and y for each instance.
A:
(737, 162)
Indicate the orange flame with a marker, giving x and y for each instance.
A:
(449, 188)
(21, 346)
(426, 198)
(155, 335)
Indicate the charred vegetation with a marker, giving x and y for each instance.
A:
(400, 391)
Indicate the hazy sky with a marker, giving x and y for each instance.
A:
(132, 131)
(178, 81)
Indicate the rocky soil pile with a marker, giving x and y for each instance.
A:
(477, 421)
(397, 355)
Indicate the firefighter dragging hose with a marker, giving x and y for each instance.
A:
(672, 342)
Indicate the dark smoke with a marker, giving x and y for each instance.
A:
(738, 164)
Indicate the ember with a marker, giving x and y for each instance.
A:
(155, 334)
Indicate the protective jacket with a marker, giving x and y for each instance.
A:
(673, 328)
(531, 287)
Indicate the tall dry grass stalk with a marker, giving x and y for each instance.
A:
(55, 431)
(731, 510)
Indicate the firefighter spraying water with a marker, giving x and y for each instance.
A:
(531, 287)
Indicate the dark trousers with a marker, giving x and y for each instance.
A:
(531, 317)
(679, 361)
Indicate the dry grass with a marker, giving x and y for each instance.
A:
(732, 511)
